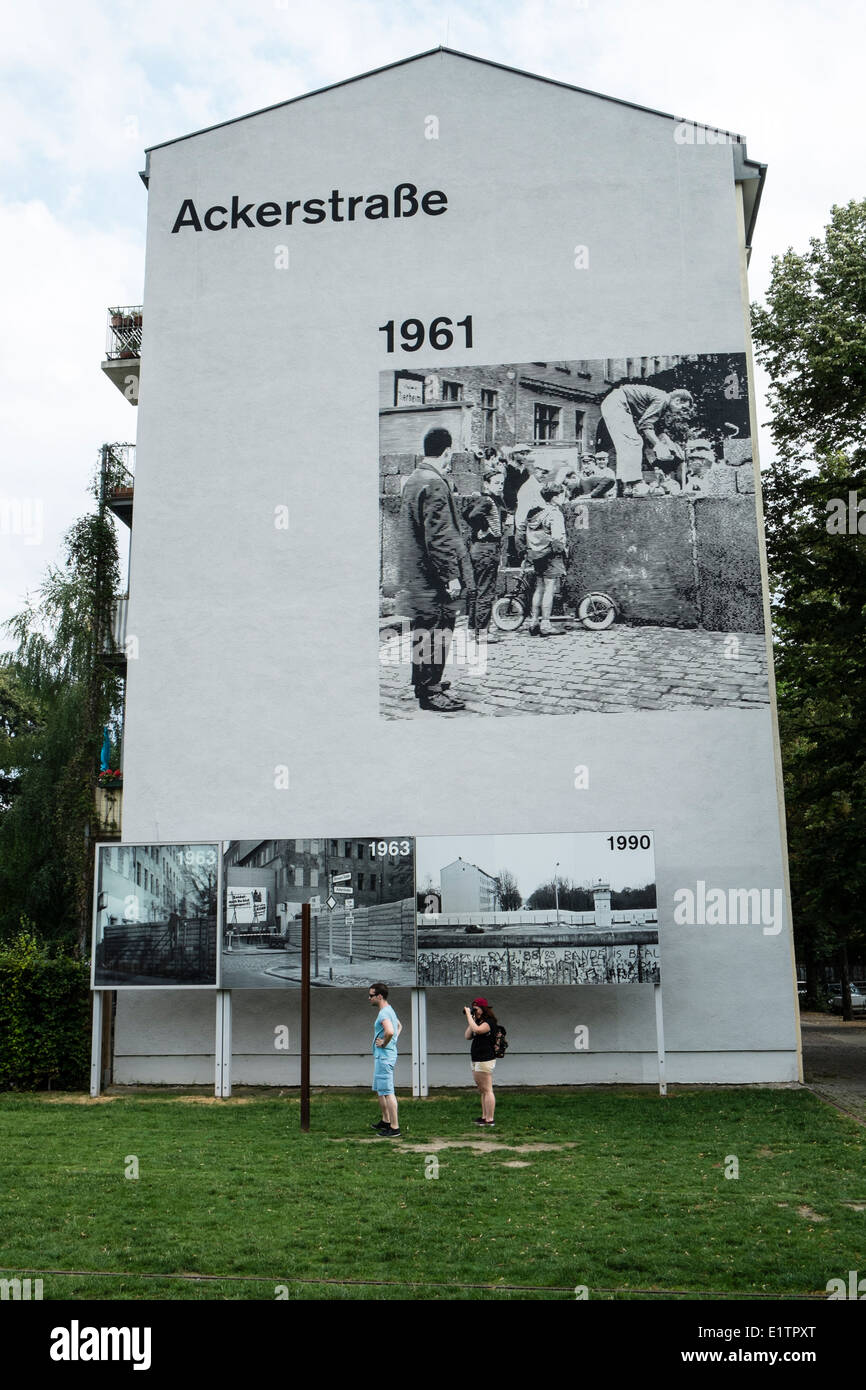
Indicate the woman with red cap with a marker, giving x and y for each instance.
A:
(481, 1028)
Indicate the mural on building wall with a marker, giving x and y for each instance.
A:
(565, 536)
(155, 916)
(571, 909)
(361, 893)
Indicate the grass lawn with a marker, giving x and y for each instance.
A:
(631, 1195)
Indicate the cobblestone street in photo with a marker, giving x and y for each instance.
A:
(624, 668)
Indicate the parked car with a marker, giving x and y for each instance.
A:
(858, 998)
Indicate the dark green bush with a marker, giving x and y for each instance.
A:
(44, 1018)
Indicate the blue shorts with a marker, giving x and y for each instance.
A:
(383, 1076)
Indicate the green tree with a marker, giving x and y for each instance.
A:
(19, 719)
(811, 338)
(64, 696)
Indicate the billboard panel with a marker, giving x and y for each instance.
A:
(155, 916)
(361, 892)
(572, 909)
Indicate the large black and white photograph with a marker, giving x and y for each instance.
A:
(361, 893)
(567, 536)
(570, 909)
(155, 916)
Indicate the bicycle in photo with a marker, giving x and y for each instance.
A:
(594, 610)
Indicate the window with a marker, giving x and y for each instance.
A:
(360, 882)
(299, 875)
(314, 847)
(335, 846)
(452, 390)
(489, 404)
(360, 851)
(546, 423)
(579, 421)
(372, 883)
(314, 878)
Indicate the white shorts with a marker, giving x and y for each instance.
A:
(483, 1066)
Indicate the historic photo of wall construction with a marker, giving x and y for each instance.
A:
(155, 916)
(566, 536)
(572, 909)
(361, 893)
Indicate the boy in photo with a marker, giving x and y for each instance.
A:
(541, 537)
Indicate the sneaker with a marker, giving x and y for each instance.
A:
(546, 629)
(533, 627)
(380, 1125)
(486, 1124)
(389, 1133)
(443, 703)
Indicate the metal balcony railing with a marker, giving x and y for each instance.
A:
(117, 467)
(118, 622)
(114, 641)
(123, 338)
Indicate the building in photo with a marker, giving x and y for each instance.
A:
(327, 281)
(465, 887)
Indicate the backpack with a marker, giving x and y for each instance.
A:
(500, 1042)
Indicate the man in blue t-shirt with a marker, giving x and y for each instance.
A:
(386, 1031)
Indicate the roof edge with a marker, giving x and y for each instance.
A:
(414, 58)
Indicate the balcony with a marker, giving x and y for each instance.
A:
(123, 349)
(117, 471)
(114, 649)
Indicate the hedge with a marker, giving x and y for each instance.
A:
(45, 1014)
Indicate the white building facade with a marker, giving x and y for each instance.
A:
(566, 226)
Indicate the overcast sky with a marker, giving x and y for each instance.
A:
(583, 857)
(87, 86)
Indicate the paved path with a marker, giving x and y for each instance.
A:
(623, 669)
(273, 969)
(834, 1060)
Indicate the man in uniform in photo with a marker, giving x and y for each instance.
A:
(433, 560)
(635, 415)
